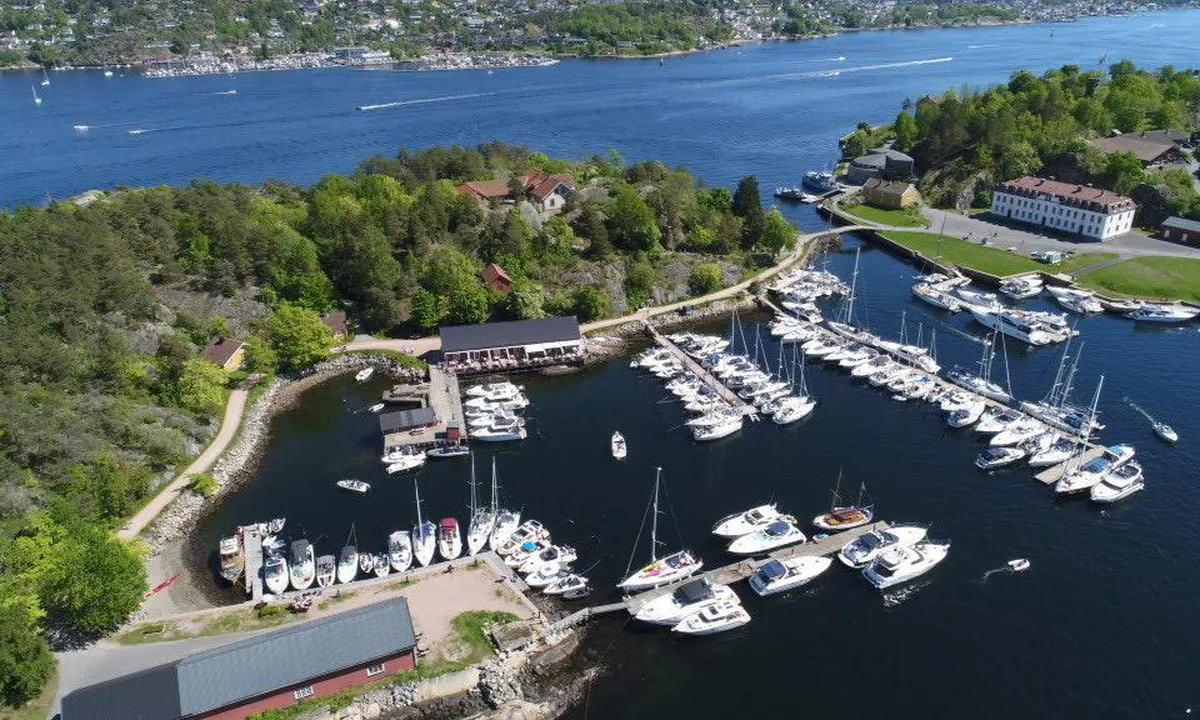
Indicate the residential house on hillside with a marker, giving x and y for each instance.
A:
(889, 194)
(494, 277)
(337, 324)
(225, 353)
(547, 192)
(1155, 148)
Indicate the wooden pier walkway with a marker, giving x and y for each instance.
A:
(1051, 475)
(744, 568)
(703, 373)
(253, 549)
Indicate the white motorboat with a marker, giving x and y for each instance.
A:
(887, 375)
(935, 297)
(383, 566)
(1119, 306)
(366, 563)
(1022, 287)
(557, 555)
(687, 599)
(233, 557)
(347, 566)
(1057, 453)
(1017, 432)
(863, 550)
(966, 415)
(1119, 483)
(406, 462)
(501, 433)
(1166, 432)
(1080, 302)
(567, 584)
(776, 576)
(326, 570)
(995, 420)
(529, 531)
(546, 575)
(743, 523)
(996, 457)
(526, 550)
(1164, 313)
(845, 517)
(424, 534)
(618, 446)
(449, 539)
(1093, 471)
(303, 567)
(352, 485)
(875, 365)
(778, 533)
(980, 300)
(364, 374)
(661, 571)
(713, 619)
(495, 392)
(376, 407)
(275, 574)
(1011, 325)
(902, 563)
(400, 550)
(720, 430)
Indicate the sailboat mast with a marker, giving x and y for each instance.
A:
(853, 288)
(654, 519)
(417, 492)
(1007, 372)
(494, 493)
(474, 494)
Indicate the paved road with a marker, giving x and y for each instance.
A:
(229, 427)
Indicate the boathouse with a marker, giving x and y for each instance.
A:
(513, 345)
(274, 670)
(1182, 230)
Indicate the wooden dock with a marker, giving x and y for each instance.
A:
(1051, 475)
(253, 549)
(703, 373)
(744, 568)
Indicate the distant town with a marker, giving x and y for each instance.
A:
(171, 37)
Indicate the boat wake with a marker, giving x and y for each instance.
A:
(993, 571)
(897, 597)
(980, 47)
(423, 101)
(865, 68)
(224, 92)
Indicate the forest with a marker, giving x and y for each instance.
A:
(644, 28)
(105, 306)
(966, 140)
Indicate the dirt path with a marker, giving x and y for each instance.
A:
(229, 427)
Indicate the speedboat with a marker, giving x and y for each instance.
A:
(449, 540)
(546, 575)
(400, 550)
(995, 457)
(1166, 432)
(366, 563)
(776, 576)
(357, 486)
(529, 531)
(448, 451)
(364, 374)
(424, 541)
(275, 574)
(995, 420)
(526, 550)
(557, 555)
(687, 599)
(1119, 483)
(675, 566)
(744, 523)
(1094, 470)
(618, 446)
(903, 563)
(383, 566)
(966, 415)
(326, 570)
(980, 300)
(713, 619)
(1017, 432)
(862, 550)
(936, 297)
(567, 584)
(1061, 451)
(1022, 287)
(233, 557)
(1164, 313)
(1080, 301)
(303, 566)
(406, 462)
(776, 534)
(506, 524)
(347, 566)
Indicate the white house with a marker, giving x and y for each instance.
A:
(1087, 211)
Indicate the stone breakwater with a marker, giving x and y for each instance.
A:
(237, 464)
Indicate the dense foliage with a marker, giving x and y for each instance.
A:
(1043, 125)
(641, 27)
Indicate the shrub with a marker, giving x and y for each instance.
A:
(205, 484)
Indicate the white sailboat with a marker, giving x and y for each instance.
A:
(483, 519)
(506, 521)
(347, 565)
(660, 571)
(424, 534)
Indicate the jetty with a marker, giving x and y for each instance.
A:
(253, 549)
(703, 373)
(1051, 475)
(438, 417)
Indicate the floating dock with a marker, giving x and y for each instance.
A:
(1051, 475)
(744, 568)
(253, 549)
(702, 372)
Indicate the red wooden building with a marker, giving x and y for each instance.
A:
(265, 672)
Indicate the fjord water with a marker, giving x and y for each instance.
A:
(1100, 626)
(774, 110)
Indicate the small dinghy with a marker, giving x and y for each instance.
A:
(364, 374)
(618, 446)
(1166, 432)
(1019, 564)
(366, 563)
(357, 486)
(375, 408)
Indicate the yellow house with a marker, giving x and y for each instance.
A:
(889, 194)
(225, 353)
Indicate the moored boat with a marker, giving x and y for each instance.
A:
(302, 567)
(347, 565)
(713, 619)
(900, 564)
(400, 550)
(233, 556)
(364, 374)
(275, 573)
(449, 540)
(862, 550)
(742, 523)
(685, 600)
(778, 533)
(845, 517)
(660, 571)
(776, 576)
(1119, 483)
(326, 571)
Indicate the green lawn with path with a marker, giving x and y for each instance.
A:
(960, 252)
(1081, 261)
(1152, 277)
(908, 217)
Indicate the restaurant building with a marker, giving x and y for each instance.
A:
(513, 345)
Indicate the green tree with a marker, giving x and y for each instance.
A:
(777, 234)
(589, 303)
(640, 279)
(25, 659)
(201, 387)
(631, 223)
(524, 301)
(298, 336)
(98, 583)
(427, 310)
(1123, 172)
(1020, 158)
(905, 128)
(705, 279)
(747, 204)
(260, 356)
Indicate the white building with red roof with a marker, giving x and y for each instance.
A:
(1066, 207)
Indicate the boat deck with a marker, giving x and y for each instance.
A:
(702, 372)
(1051, 475)
(744, 568)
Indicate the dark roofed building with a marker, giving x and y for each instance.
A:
(337, 324)
(269, 671)
(1152, 147)
(515, 345)
(407, 420)
(1181, 230)
(224, 352)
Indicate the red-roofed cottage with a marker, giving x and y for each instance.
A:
(547, 192)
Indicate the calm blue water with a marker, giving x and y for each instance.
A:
(1101, 626)
(774, 110)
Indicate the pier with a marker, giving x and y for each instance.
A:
(701, 372)
(1051, 475)
(253, 549)
(438, 418)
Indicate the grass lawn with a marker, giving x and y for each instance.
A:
(1081, 261)
(960, 252)
(908, 217)
(1152, 277)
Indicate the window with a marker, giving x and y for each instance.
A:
(375, 669)
(301, 693)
